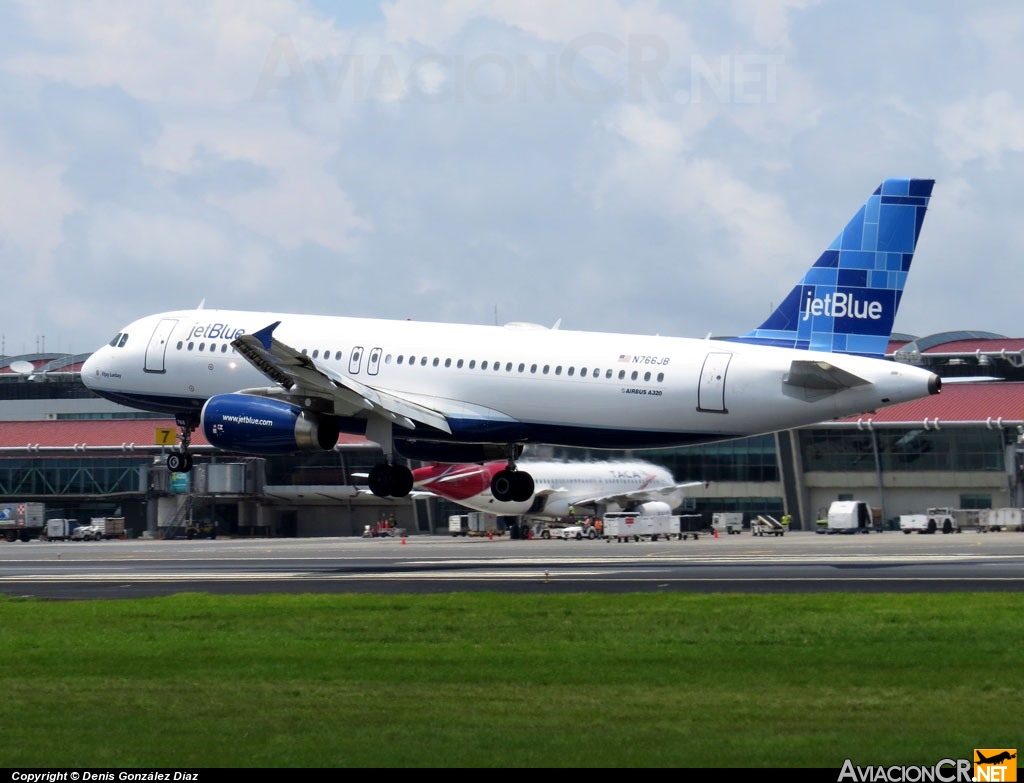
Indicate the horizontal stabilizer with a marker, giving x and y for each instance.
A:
(821, 375)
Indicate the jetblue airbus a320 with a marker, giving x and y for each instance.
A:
(272, 383)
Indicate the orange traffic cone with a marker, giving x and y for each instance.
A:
(715, 533)
(490, 535)
(403, 539)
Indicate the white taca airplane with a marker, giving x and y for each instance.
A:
(559, 487)
(273, 383)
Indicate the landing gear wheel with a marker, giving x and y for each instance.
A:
(401, 481)
(178, 462)
(390, 481)
(514, 485)
(522, 486)
(380, 480)
(501, 485)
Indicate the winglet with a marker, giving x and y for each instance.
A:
(266, 335)
(847, 301)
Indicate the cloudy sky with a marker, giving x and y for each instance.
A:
(650, 167)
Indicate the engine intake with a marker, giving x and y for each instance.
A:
(262, 425)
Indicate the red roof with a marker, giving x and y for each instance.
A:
(1010, 345)
(958, 402)
(105, 432)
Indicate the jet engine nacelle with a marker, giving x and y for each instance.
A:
(263, 425)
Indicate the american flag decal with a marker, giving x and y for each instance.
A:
(625, 357)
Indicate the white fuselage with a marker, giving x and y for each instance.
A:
(507, 384)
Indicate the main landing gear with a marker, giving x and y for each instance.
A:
(181, 461)
(512, 484)
(390, 480)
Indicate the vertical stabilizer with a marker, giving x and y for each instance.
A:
(847, 301)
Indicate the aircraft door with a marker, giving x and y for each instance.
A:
(711, 392)
(156, 351)
(355, 360)
(373, 364)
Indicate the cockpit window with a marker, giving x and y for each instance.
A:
(123, 340)
(113, 343)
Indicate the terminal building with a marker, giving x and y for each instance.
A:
(83, 456)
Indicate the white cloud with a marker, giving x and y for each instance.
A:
(274, 155)
(982, 127)
(34, 201)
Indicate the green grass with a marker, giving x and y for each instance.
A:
(487, 680)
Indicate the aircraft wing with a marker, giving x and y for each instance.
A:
(668, 493)
(299, 374)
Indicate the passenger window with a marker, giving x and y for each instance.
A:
(572, 371)
(533, 369)
(661, 377)
(436, 361)
(633, 376)
(647, 376)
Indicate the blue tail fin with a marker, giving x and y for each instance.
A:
(847, 301)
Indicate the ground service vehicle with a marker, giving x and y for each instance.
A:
(99, 528)
(1001, 519)
(577, 532)
(476, 523)
(625, 526)
(934, 520)
(766, 525)
(849, 516)
(730, 522)
(22, 521)
(60, 529)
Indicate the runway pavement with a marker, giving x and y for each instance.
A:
(796, 562)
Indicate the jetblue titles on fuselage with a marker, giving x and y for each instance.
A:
(215, 331)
